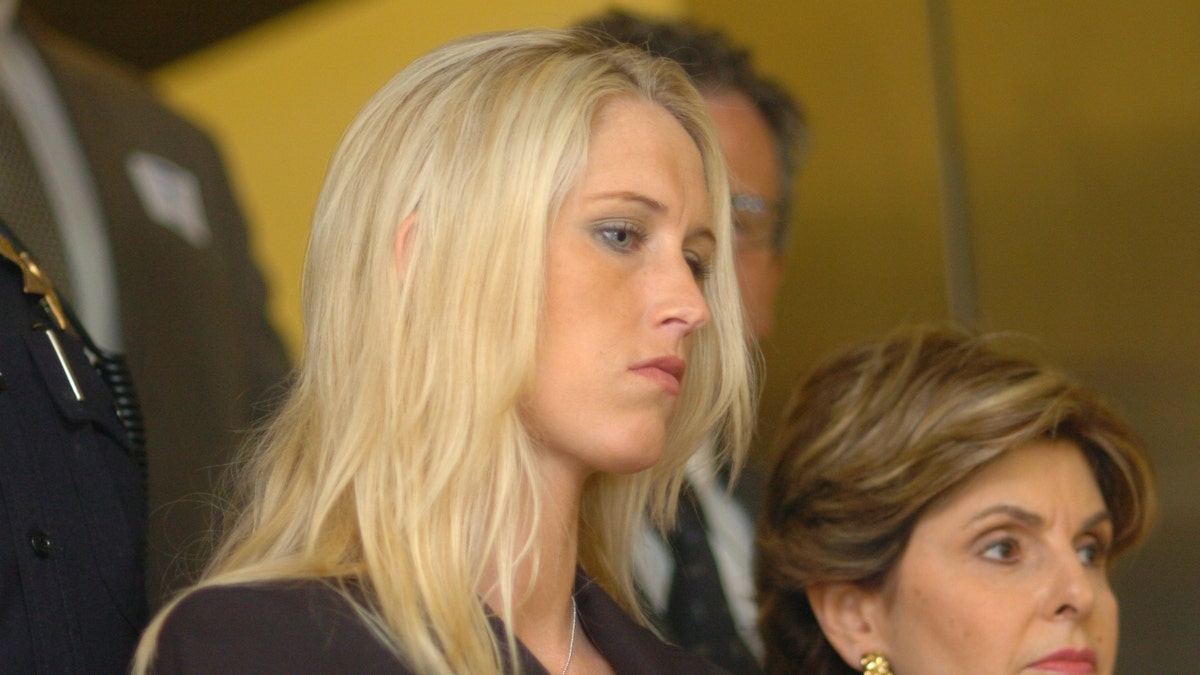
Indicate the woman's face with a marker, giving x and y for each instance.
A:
(1008, 574)
(625, 259)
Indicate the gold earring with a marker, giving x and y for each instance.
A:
(874, 663)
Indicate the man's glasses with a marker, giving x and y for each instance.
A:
(755, 222)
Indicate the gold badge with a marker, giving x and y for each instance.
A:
(35, 281)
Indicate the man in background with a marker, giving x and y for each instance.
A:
(712, 611)
(127, 208)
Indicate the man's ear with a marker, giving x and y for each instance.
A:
(400, 244)
(850, 617)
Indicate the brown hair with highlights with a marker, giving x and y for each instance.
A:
(880, 432)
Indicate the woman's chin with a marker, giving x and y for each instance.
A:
(629, 460)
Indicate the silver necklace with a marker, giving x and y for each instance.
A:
(571, 646)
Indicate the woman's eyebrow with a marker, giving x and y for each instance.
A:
(1035, 521)
(703, 233)
(1100, 516)
(630, 196)
(1017, 513)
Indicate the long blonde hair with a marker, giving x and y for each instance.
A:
(399, 458)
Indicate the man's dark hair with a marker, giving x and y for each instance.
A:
(714, 65)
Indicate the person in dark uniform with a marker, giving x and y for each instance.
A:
(72, 507)
(127, 207)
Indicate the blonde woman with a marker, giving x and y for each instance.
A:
(521, 318)
(940, 506)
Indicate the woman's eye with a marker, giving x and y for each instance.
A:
(701, 268)
(1092, 553)
(1003, 550)
(620, 236)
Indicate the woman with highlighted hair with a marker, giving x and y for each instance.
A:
(940, 506)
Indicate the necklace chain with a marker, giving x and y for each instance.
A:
(574, 624)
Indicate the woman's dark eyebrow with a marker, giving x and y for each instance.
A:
(1100, 516)
(1017, 513)
(1033, 520)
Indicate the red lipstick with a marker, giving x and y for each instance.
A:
(1068, 661)
(666, 370)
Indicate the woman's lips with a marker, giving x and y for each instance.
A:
(665, 370)
(1071, 661)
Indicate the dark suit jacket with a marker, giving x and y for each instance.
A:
(196, 337)
(72, 512)
(305, 627)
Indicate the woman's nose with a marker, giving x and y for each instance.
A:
(681, 304)
(1073, 592)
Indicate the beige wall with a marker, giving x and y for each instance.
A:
(865, 252)
(1081, 148)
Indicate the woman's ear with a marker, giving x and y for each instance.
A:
(850, 617)
(400, 244)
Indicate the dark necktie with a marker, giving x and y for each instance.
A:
(698, 615)
(23, 202)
